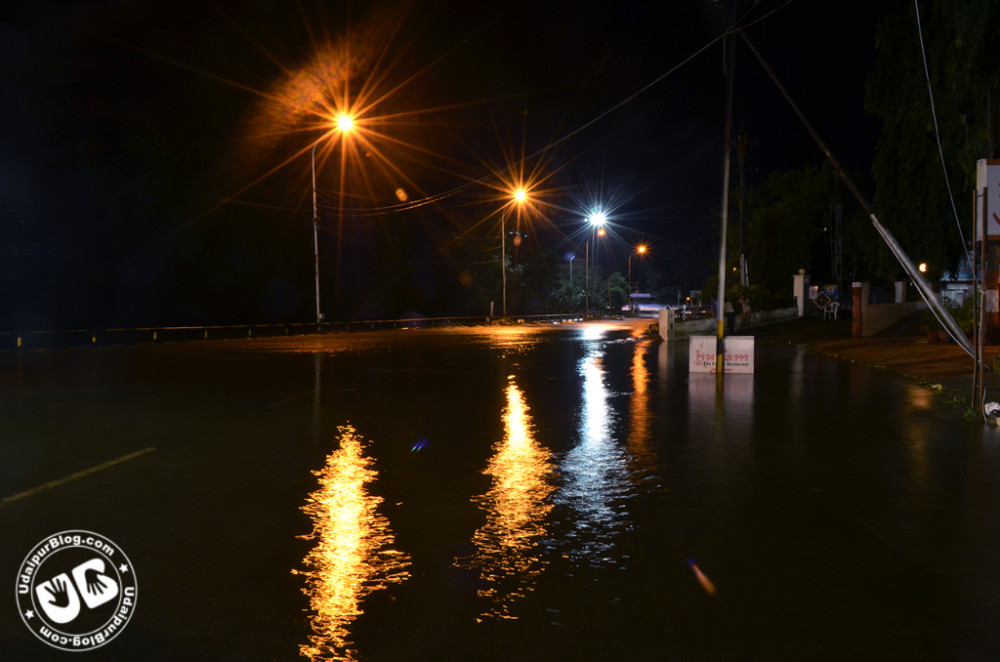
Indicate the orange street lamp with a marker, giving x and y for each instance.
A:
(343, 123)
(519, 196)
(639, 250)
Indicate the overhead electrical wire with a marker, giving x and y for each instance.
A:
(937, 133)
(947, 182)
(375, 211)
(432, 199)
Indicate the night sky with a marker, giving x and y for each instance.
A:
(155, 165)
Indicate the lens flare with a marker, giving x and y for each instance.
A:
(705, 582)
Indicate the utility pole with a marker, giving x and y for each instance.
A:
(742, 146)
(720, 300)
(836, 234)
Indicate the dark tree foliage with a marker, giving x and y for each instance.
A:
(786, 230)
(911, 197)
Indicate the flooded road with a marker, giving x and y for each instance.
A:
(557, 493)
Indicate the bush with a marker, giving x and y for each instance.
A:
(963, 315)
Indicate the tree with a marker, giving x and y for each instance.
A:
(911, 196)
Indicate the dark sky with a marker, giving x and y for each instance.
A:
(155, 165)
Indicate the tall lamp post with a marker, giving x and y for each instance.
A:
(519, 197)
(319, 315)
(343, 123)
(597, 219)
(639, 250)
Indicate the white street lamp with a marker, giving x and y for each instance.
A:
(597, 219)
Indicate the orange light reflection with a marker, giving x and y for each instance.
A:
(353, 554)
(640, 415)
(516, 508)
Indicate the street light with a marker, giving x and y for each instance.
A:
(343, 123)
(520, 195)
(639, 250)
(597, 219)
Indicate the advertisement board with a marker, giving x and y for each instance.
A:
(738, 353)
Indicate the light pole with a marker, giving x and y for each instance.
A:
(319, 315)
(639, 250)
(503, 263)
(597, 219)
(519, 197)
(343, 123)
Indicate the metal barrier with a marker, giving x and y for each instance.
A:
(54, 339)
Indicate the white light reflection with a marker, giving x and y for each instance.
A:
(730, 402)
(595, 470)
(353, 555)
(508, 546)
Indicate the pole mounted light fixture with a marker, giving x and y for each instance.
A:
(343, 123)
(519, 196)
(597, 219)
(639, 250)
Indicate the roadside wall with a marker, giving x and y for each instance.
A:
(877, 317)
(678, 330)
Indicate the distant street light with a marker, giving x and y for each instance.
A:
(343, 123)
(639, 250)
(519, 196)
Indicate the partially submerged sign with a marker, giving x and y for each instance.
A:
(738, 354)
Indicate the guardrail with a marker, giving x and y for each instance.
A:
(55, 339)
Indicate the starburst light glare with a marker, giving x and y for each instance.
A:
(598, 218)
(345, 122)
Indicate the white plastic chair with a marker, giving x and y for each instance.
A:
(831, 310)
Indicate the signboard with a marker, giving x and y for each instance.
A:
(988, 184)
(738, 353)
